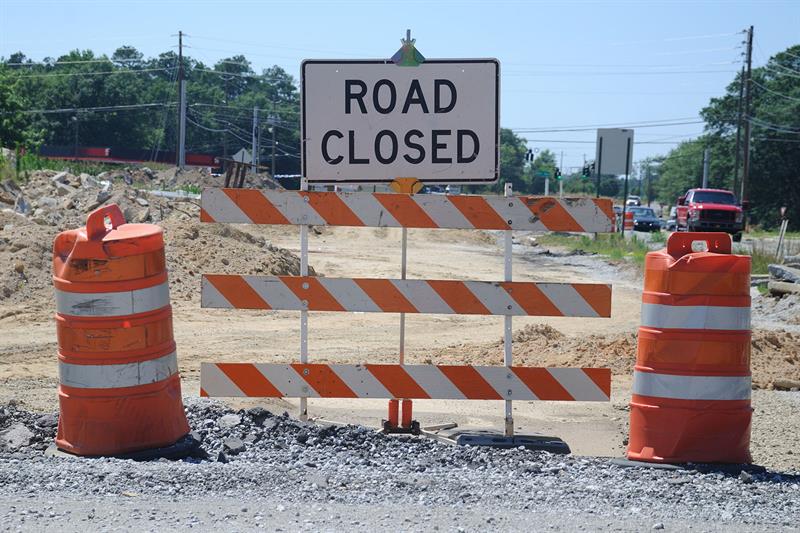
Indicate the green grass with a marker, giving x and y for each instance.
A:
(615, 248)
(192, 189)
(763, 253)
(612, 246)
(762, 234)
(29, 162)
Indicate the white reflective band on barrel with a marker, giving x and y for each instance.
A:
(112, 303)
(117, 376)
(695, 317)
(691, 387)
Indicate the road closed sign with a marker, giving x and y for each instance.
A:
(373, 121)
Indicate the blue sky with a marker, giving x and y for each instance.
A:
(563, 63)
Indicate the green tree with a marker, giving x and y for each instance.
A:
(512, 162)
(545, 161)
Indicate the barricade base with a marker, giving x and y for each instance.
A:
(672, 434)
(451, 434)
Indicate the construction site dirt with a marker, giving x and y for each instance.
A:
(28, 365)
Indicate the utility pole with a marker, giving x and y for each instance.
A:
(747, 123)
(273, 121)
(561, 180)
(706, 165)
(226, 79)
(254, 157)
(738, 156)
(75, 146)
(181, 106)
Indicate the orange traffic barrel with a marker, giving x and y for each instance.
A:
(691, 383)
(628, 221)
(119, 389)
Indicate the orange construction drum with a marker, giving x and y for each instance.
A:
(119, 388)
(691, 384)
(628, 221)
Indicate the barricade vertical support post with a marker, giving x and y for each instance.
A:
(403, 260)
(403, 186)
(304, 313)
(507, 340)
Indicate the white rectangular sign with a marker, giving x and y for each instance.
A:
(616, 154)
(374, 121)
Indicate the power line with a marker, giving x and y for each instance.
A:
(675, 39)
(703, 51)
(591, 128)
(205, 128)
(773, 127)
(88, 109)
(617, 65)
(259, 76)
(653, 121)
(776, 93)
(51, 75)
(81, 62)
(780, 73)
(606, 73)
(789, 54)
(246, 109)
(771, 140)
(593, 142)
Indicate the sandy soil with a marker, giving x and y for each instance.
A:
(28, 368)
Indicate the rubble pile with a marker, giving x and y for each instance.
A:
(63, 200)
(785, 278)
(34, 211)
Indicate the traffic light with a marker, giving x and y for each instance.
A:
(558, 174)
(585, 172)
(529, 155)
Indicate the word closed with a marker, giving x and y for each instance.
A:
(373, 121)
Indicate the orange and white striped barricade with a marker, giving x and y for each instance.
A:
(119, 389)
(395, 210)
(441, 382)
(306, 293)
(691, 384)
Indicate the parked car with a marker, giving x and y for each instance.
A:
(633, 201)
(645, 219)
(672, 221)
(710, 210)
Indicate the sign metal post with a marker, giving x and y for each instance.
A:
(507, 330)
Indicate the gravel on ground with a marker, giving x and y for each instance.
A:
(293, 475)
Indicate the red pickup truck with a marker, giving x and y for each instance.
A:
(710, 210)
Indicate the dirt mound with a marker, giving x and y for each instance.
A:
(25, 263)
(537, 332)
(194, 248)
(543, 345)
(775, 358)
(775, 354)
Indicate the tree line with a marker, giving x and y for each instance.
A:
(128, 101)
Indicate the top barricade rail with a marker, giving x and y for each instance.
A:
(398, 210)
